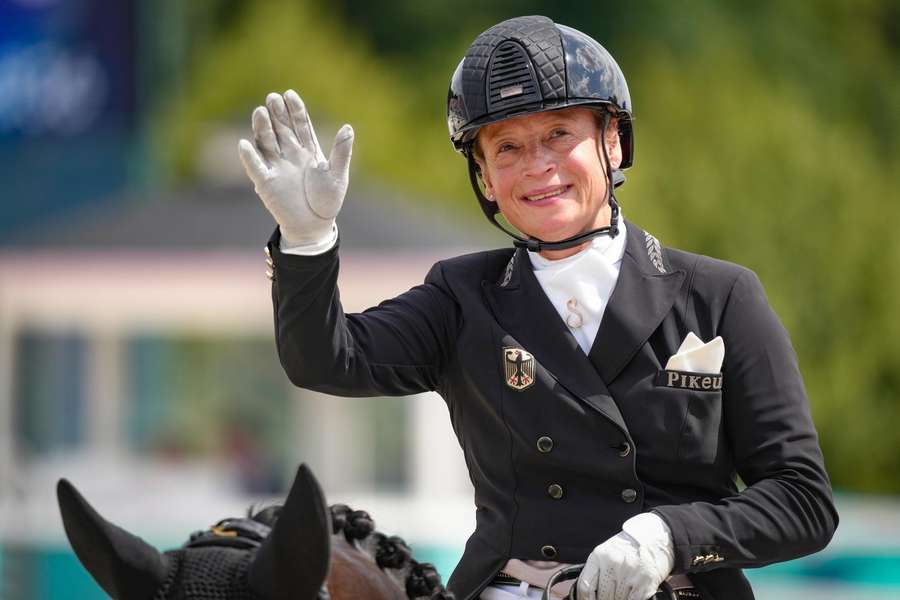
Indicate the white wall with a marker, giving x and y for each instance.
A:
(110, 296)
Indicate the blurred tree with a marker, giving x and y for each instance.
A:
(283, 44)
(767, 134)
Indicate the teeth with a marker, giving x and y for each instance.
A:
(549, 194)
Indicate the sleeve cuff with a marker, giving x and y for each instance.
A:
(313, 248)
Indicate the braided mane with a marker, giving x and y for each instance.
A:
(391, 553)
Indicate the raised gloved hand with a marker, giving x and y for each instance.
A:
(303, 191)
(630, 565)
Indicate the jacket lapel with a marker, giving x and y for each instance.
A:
(644, 294)
(524, 311)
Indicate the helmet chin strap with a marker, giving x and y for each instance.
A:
(537, 245)
(614, 178)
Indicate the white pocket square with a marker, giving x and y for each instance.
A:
(696, 357)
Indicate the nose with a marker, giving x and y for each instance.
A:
(539, 160)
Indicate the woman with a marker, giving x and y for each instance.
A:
(605, 389)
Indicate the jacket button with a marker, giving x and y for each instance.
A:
(629, 495)
(544, 444)
(555, 491)
(624, 449)
(548, 551)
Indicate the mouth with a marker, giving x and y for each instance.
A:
(547, 193)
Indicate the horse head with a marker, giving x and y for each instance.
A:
(302, 550)
(237, 559)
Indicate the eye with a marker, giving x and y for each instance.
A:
(505, 148)
(559, 133)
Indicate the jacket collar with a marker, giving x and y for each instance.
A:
(645, 291)
(524, 311)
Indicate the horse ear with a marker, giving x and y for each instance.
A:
(293, 560)
(125, 566)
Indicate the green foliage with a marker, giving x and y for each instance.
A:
(281, 44)
(745, 166)
(767, 134)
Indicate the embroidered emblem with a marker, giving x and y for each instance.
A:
(519, 368)
(654, 251)
(710, 382)
(507, 275)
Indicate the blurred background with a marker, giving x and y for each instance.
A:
(136, 344)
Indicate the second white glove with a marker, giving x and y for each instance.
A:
(303, 191)
(626, 566)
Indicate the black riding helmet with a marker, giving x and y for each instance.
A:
(531, 64)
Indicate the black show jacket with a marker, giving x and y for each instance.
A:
(621, 441)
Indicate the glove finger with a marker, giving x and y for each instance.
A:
(587, 581)
(320, 156)
(606, 584)
(281, 122)
(263, 134)
(622, 591)
(341, 151)
(253, 163)
(302, 125)
(587, 591)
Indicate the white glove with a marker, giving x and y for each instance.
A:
(302, 190)
(630, 565)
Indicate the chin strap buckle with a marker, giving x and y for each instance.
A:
(614, 208)
(530, 244)
(536, 245)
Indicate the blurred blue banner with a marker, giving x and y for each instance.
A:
(65, 67)
(67, 104)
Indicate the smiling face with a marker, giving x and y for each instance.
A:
(546, 173)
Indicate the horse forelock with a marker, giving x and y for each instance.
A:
(266, 514)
